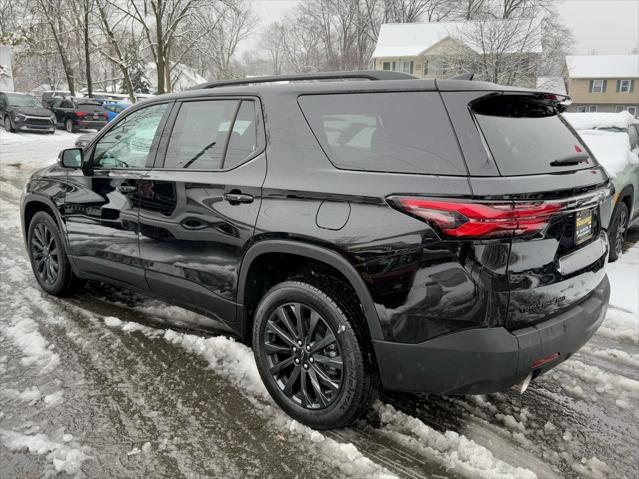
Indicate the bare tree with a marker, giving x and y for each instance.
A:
(274, 44)
(500, 51)
(110, 20)
(54, 13)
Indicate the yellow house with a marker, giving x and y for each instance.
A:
(604, 83)
(425, 49)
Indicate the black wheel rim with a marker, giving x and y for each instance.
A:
(303, 356)
(621, 230)
(44, 250)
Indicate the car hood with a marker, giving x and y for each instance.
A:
(32, 111)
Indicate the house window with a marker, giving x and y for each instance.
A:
(598, 86)
(620, 108)
(389, 66)
(632, 110)
(624, 86)
(407, 67)
(592, 108)
(582, 109)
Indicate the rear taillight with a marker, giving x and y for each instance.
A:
(81, 114)
(460, 219)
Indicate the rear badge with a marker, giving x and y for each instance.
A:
(583, 226)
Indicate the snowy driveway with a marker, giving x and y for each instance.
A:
(96, 386)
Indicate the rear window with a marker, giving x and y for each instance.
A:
(525, 135)
(403, 132)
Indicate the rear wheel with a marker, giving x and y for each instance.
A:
(618, 228)
(310, 357)
(69, 126)
(48, 258)
(7, 124)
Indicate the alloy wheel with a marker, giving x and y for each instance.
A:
(45, 254)
(303, 356)
(621, 231)
(7, 124)
(69, 125)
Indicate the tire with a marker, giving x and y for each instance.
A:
(69, 126)
(618, 229)
(7, 124)
(45, 241)
(333, 382)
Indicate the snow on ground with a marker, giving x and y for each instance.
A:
(33, 150)
(66, 456)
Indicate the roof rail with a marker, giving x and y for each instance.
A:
(348, 75)
(463, 76)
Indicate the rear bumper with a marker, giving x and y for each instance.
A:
(486, 360)
(91, 124)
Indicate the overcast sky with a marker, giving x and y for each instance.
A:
(599, 26)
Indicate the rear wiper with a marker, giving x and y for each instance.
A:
(572, 159)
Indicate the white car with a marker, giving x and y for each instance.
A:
(614, 140)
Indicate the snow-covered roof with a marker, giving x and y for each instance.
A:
(551, 84)
(592, 121)
(411, 39)
(602, 66)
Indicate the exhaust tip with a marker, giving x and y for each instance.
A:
(525, 383)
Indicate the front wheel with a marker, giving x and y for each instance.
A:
(311, 359)
(48, 259)
(618, 228)
(7, 124)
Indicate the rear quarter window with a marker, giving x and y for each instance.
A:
(397, 132)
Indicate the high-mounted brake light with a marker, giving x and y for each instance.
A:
(479, 220)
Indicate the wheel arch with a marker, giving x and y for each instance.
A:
(626, 195)
(315, 253)
(32, 204)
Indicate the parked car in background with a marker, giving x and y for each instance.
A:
(425, 236)
(114, 108)
(79, 113)
(49, 96)
(83, 140)
(25, 113)
(614, 139)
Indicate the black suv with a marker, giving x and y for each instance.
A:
(77, 113)
(436, 236)
(21, 112)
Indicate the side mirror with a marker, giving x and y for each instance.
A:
(71, 158)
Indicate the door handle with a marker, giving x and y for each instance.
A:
(126, 188)
(237, 198)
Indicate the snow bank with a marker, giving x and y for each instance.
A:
(624, 282)
(235, 362)
(452, 450)
(592, 121)
(64, 457)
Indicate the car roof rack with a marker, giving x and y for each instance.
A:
(347, 75)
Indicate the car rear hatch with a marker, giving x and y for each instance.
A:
(536, 182)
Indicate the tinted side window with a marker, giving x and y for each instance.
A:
(243, 140)
(403, 132)
(128, 144)
(66, 104)
(200, 134)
